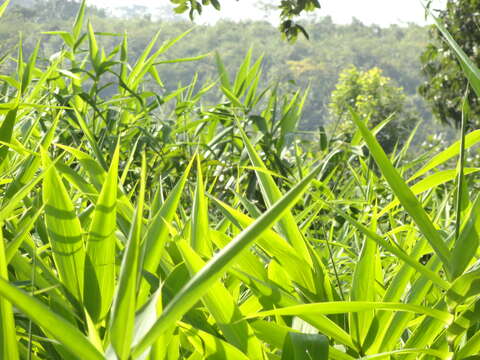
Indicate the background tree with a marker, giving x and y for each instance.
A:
(445, 85)
(289, 9)
(375, 97)
(315, 63)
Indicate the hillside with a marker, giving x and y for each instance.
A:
(315, 62)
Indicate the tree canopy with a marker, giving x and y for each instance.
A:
(374, 97)
(289, 9)
(446, 85)
(315, 63)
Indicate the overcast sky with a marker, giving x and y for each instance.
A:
(381, 12)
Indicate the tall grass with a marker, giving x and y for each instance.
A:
(140, 224)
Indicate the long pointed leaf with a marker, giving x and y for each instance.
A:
(215, 268)
(100, 259)
(122, 316)
(404, 194)
(59, 328)
(64, 230)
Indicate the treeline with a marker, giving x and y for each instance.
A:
(315, 63)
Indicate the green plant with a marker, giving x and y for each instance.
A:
(372, 96)
(216, 231)
(445, 85)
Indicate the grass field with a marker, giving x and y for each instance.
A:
(139, 224)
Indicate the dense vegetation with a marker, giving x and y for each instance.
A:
(444, 87)
(142, 220)
(316, 63)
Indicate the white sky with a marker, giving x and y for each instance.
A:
(380, 12)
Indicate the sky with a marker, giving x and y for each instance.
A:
(380, 12)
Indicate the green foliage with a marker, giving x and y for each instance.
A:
(445, 86)
(142, 222)
(288, 10)
(315, 63)
(373, 97)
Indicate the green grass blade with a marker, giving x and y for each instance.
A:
(124, 61)
(430, 182)
(282, 299)
(100, 259)
(122, 317)
(6, 133)
(471, 349)
(199, 236)
(439, 354)
(275, 246)
(57, 327)
(3, 7)
(305, 347)
(223, 308)
(94, 51)
(181, 60)
(224, 78)
(64, 230)
(270, 332)
(404, 194)
(91, 138)
(77, 25)
(432, 276)
(140, 63)
(466, 245)
(233, 99)
(157, 233)
(339, 307)
(247, 261)
(144, 64)
(22, 234)
(215, 268)
(395, 291)
(427, 332)
(97, 176)
(240, 84)
(287, 225)
(8, 334)
(471, 139)
(417, 294)
(464, 288)
(29, 69)
(209, 346)
(462, 200)
(363, 289)
(146, 315)
(20, 63)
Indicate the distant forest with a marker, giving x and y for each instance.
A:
(315, 62)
